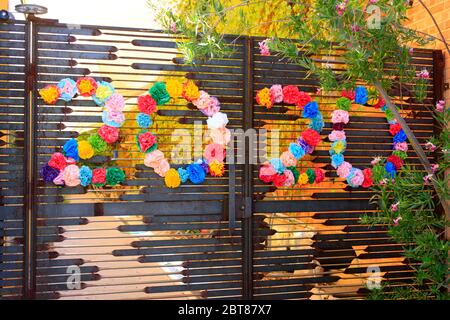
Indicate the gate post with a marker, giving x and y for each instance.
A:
(30, 161)
(247, 208)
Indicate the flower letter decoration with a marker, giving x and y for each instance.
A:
(382, 168)
(283, 172)
(63, 167)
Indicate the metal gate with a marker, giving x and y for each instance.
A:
(230, 238)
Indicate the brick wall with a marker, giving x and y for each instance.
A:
(421, 21)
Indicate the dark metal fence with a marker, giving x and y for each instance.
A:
(232, 237)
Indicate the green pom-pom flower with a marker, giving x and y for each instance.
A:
(344, 103)
(114, 176)
(295, 173)
(378, 172)
(402, 154)
(389, 115)
(311, 175)
(159, 93)
(98, 144)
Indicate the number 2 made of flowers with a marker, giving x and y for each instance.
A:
(70, 167)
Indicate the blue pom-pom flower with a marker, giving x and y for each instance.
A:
(277, 164)
(144, 120)
(361, 95)
(196, 173)
(70, 149)
(184, 174)
(317, 123)
(85, 176)
(68, 89)
(400, 137)
(390, 169)
(311, 110)
(337, 160)
(296, 150)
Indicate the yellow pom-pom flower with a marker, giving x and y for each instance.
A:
(339, 147)
(265, 98)
(103, 92)
(172, 178)
(216, 168)
(190, 91)
(174, 88)
(50, 94)
(85, 150)
(303, 179)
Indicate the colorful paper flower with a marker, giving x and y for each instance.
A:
(311, 175)
(216, 168)
(380, 104)
(71, 175)
(108, 134)
(288, 159)
(338, 147)
(202, 101)
(401, 146)
(279, 180)
(58, 161)
(398, 163)
(344, 169)
(85, 150)
(159, 93)
(344, 104)
(317, 123)
(320, 175)
(267, 173)
(152, 159)
(394, 129)
(311, 110)
(146, 141)
(220, 136)
(296, 150)
(97, 143)
(278, 165)
(390, 169)
(265, 98)
(276, 91)
(174, 88)
(85, 176)
(218, 121)
(146, 104)
(290, 94)
(303, 179)
(99, 177)
(311, 137)
(336, 135)
(114, 176)
(400, 137)
(48, 173)
(303, 99)
(349, 94)
(184, 175)
(212, 108)
(50, 94)
(113, 119)
(103, 92)
(368, 182)
(59, 180)
(116, 102)
(144, 120)
(190, 91)
(214, 151)
(67, 88)
(290, 179)
(355, 178)
(196, 173)
(172, 179)
(70, 149)
(361, 95)
(340, 116)
(337, 160)
(305, 146)
(86, 86)
(295, 173)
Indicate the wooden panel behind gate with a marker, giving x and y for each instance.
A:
(144, 241)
